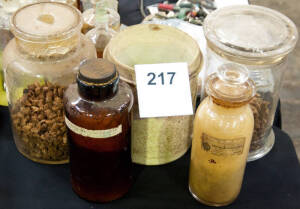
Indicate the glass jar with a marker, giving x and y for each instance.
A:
(5, 37)
(89, 20)
(88, 4)
(161, 140)
(223, 128)
(260, 39)
(98, 114)
(7, 8)
(38, 64)
(101, 34)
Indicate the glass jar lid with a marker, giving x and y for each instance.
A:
(230, 85)
(250, 32)
(46, 20)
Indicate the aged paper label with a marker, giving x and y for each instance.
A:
(223, 147)
(93, 133)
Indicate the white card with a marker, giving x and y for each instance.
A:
(163, 90)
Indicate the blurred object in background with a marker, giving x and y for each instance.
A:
(88, 4)
(102, 33)
(89, 19)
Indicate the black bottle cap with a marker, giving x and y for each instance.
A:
(97, 79)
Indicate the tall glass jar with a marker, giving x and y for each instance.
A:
(38, 64)
(260, 39)
(223, 128)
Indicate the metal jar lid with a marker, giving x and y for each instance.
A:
(250, 34)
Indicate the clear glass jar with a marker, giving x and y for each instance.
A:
(89, 20)
(7, 8)
(260, 39)
(223, 128)
(102, 33)
(38, 64)
(5, 37)
(88, 4)
(160, 140)
(98, 114)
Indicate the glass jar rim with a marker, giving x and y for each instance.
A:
(240, 52)
(20, 34)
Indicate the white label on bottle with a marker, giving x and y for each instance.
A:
(163, 90)
(107, 133)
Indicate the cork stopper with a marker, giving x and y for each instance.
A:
(97, 72)
(97, 79)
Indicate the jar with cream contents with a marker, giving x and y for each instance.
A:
(223, 128)
(38, 64)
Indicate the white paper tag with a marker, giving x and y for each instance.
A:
(163, 90)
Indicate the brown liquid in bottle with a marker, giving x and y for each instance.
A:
(99, 53)
(100, 167)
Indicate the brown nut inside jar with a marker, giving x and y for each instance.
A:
(38, 123)
(262, 119)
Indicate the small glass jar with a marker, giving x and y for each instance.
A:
(223, 128)
(98, 114)
(89, 20)
(38, 64)
(101, 34)
(260, 39)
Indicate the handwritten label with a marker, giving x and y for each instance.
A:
(93, 133)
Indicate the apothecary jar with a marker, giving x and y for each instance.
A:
(38, 64)
(260, 39)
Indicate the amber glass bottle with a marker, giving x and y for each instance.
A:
(98, 112)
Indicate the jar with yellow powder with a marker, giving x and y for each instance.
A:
(223, 128)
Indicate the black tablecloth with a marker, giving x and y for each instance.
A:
(272, 182)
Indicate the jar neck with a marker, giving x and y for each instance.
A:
(227, 104)
(48, 49)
